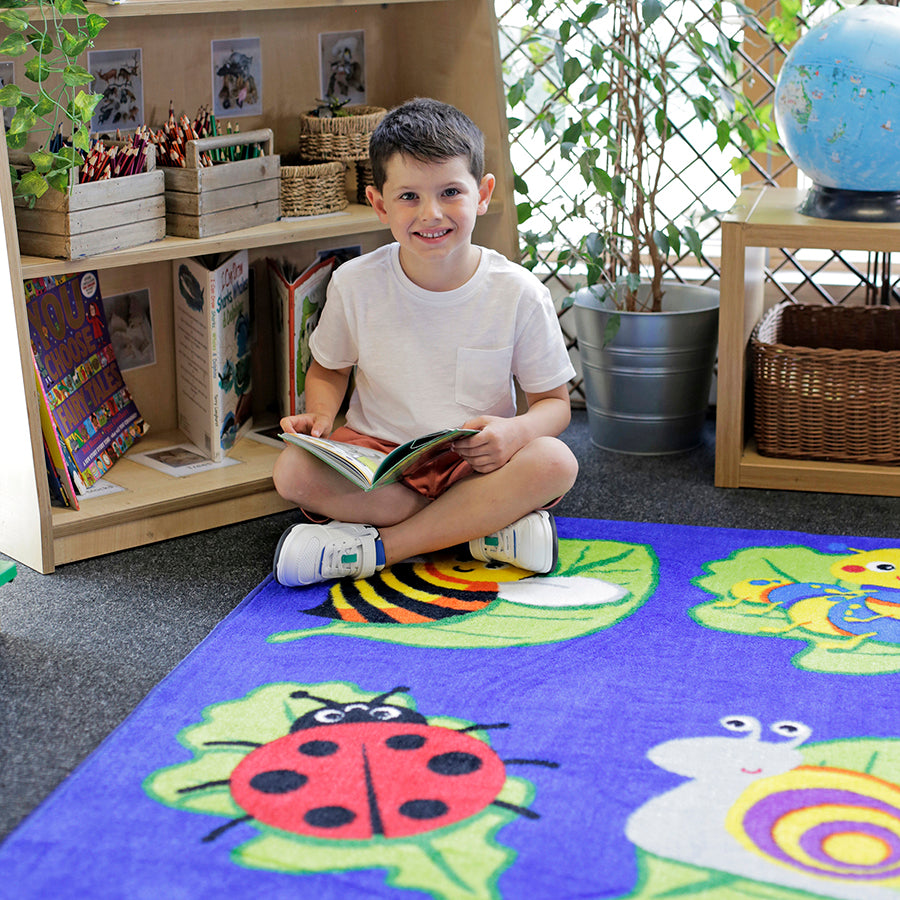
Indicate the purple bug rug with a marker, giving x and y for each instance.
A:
(673, 712)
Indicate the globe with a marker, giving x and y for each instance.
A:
(837, 102)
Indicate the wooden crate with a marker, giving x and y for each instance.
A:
(203, 201)
(97, 217)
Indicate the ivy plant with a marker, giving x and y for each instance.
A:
(55, 113)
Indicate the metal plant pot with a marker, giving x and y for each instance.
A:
(647, 390)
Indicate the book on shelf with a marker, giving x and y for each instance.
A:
(212, 350)
(297, 301)
(93, 416)
(370, 469)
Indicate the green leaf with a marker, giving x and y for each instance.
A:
(523, 212)
(674, 238)
(73, 75)
(651, 10)
(95, 24)
(740, 164)
(572, 70)
(595, 245)
(13, 45)
(519, 184)
(41, 43)
(81, 139)
(22, 122)
(73, 46)
(16, 141)
(33, 184)
(692, 238)
(37, 69)
(10, 95)
(14, 19)
(661, 241)
(84, 104)
(42, 161)
(516, 94)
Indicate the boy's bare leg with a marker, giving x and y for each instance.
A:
(482, 504)
(317, 488)
(408, 523)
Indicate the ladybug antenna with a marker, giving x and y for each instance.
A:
(298, 695)
(482, 727)
(400, 689)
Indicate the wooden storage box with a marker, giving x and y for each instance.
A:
(207, 200)
(826, 383)
(97, 217)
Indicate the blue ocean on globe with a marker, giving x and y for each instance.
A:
(837, 100)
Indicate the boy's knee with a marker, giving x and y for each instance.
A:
(286, 475)
(555, 462)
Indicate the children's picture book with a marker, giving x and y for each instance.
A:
(370, 469)
(297, 301)
(212, 350)
(91, 409)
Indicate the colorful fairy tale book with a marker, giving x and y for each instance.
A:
(92, 410)
(212, 350)
(297, 301)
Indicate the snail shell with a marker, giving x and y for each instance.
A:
(824, 821)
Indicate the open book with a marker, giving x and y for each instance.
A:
(371, 468)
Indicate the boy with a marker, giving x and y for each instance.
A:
(436, 327)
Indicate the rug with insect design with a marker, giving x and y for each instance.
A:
(674, 711)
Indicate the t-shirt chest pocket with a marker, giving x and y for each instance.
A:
(483, 377)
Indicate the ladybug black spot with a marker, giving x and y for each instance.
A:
(423, 809)
(329, 816)
(405, 741)
(454, 763)
(318, 748)
(278, 781)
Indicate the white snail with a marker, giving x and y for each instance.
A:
(752, 809)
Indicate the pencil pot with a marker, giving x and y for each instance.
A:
(345, 136)
(97, 217)
(826, 383)
(313, 189)
(213, 194)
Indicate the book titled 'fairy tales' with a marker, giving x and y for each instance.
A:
(83, 391)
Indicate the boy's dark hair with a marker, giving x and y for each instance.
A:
(429, 131)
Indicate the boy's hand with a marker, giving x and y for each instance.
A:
(315, 424)
(497, 440)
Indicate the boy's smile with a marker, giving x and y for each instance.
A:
(431, 208)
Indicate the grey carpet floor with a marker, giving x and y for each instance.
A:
(81, 647)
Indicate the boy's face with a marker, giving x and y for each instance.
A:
(431, 209)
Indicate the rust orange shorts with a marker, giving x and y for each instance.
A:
(430, 478)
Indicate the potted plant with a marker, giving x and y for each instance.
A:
(623, 67)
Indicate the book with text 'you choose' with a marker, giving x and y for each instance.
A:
(370, 469)
(91, 409)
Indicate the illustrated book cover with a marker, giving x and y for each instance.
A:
(297, 301)
(94, 414)
(212, 350)
(370, 469)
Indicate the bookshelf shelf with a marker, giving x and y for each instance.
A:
(450, 62)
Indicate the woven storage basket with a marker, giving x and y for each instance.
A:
(311, 190)
(341, 137)
(827, 383)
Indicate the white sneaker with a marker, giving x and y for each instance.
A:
(529, 543)
(307, 554)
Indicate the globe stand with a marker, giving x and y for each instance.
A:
(851, 206)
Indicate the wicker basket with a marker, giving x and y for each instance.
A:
(827, 383)
(311, 190)
(340, 137)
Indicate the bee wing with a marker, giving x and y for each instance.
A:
(560, 591)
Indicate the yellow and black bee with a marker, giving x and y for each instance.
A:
(413, 593)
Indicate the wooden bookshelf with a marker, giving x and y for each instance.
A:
(442, 48)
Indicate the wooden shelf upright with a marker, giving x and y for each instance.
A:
(447, 49)
(762, 218)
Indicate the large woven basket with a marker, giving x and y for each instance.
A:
(827, 383)
(340, 137)
(315, 189)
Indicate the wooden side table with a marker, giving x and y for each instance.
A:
(767, 217)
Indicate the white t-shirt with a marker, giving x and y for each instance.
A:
(427, 360)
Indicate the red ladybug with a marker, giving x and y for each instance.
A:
(352, 771)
